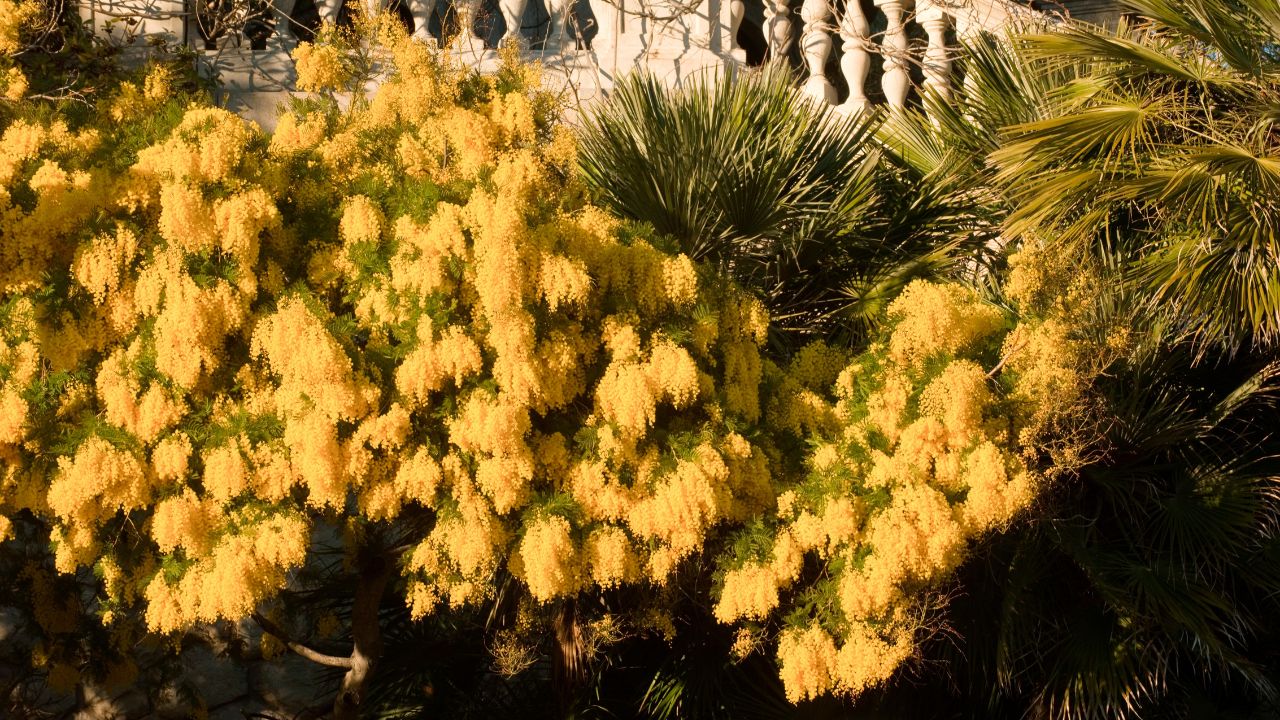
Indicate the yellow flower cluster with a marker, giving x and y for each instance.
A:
(403, 305)
(611, 557)
(13, 416)
(549, 559)
(749, 592)
(1058, 287)
(101, 265)
(320, 68)
(453, 356)
(629, 393)
(918, 448)
(361, 222)
(133, 101)
(315, 375)
(929, 319)
(15, 15)
(229, 581)
(144, 414)
(15, 83)
(90, 487)
(206, 147)
(810, 664)
(295, 134)
(807, 661)
(797, 403)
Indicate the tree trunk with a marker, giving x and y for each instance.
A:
(569, 662)
(366, 635)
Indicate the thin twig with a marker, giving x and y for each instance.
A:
(1005, 359)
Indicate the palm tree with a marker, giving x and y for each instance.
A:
(783, 195)
(1145, 584)
(1166, 148)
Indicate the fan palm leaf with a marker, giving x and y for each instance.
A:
(783, 195)
(1167, 144)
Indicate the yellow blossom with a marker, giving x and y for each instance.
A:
(672, 373)
(625, 396)
(749, 592)
(15, 83)
(958, 397)
(320, 68)
(808, 663)
(100, 265)
(95, 482)
(929, 318)
(15, 16)
(225, 474)
(361, 221)
(610, 557)
(865, 660)
(295, 134)
(314, 370)
(13, 416)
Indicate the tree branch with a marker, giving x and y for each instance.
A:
(299, 648)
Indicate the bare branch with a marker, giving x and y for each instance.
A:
(299, 648)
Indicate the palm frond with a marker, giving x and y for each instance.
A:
(1237, 32)
(784, 196)
(1163, 145)
(1126, 58)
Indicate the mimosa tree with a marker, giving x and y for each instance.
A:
(404, 315)
(405, 322)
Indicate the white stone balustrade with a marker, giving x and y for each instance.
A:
(896, 79)
(777, 29)
(737, 10)
(591, 43)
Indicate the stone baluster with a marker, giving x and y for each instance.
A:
(513, 16)
(281, 15)
(895, 82)
(373, 7)
(421, 11)
(777, 29)
(558, 35)
(937, 59)
(468, 45)
(855, 62)
(815, 45)
(328, 10)
(737, 9)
